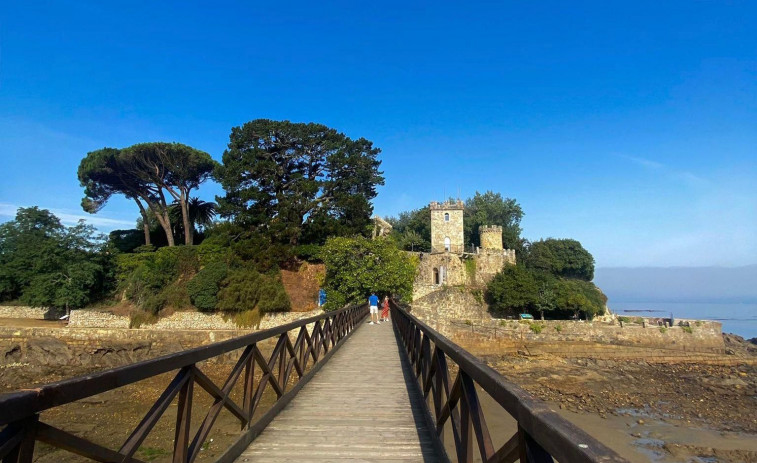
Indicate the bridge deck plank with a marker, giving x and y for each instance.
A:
(357, 408)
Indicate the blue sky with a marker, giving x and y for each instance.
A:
(630, 127)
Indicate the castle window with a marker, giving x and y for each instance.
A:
(446, 216)
(436, 276)
(447, 244)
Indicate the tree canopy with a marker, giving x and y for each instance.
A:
(355, 267)
(294, 179)
(149, 174)
(44, 264)
(561, 257)
(492, 209)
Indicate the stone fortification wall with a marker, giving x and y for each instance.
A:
(490, 236)
(452, 228)
(181, 320)
(461, 316)
(34, 313)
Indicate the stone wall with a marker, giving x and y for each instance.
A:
(34, 313)
(181, 320)
(490, 236)
(460, 316)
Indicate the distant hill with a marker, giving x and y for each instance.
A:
(678, 284)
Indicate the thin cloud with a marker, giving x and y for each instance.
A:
(68, 218)
(680, 175)
(644, 162)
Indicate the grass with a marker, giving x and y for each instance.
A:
(558, 328)
(151, 453)
(663, 330)
(687, 329)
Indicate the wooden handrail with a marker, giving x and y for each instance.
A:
(542, 434)
(19, 411)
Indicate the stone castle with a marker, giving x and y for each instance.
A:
(450, 263)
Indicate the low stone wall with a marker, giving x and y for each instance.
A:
(570, 337)
(181, 320)
(34, 313)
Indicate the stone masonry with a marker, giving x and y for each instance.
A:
(447, 226)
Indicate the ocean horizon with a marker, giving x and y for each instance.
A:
(738, 318)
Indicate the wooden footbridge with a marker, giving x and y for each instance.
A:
(339, 390)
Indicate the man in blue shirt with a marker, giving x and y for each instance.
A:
(373, 303)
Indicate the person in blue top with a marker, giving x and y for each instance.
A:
(373, 303)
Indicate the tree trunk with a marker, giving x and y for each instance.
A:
(165, 222)
(145, 221)
(188, 225)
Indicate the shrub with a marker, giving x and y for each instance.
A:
(203, 288)
(687, 329)
(663, 330)
(246, 289)
(558, 328)
(248, 319)
(513, 290)
(139, 318)
(536, 327)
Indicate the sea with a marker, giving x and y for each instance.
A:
(737, 318)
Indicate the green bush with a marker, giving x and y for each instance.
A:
(355, 267)
(663, 330)
(558, 328)
(536, 327)
(687, 329)
(203, 288)
(246, 289)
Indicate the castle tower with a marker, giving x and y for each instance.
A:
(491, 236)
(447, 226)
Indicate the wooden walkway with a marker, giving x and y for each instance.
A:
(361, 407)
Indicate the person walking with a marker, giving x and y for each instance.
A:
(373, 304)
(385, 309)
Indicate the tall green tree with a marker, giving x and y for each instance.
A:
(413, 229)
(43, 263)
(285, 178)
(150, 174)
(491, 208)
(513, 290)
(561, 257)
(102, 177)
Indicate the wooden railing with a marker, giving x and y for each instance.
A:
(20, 411)
(541, 433)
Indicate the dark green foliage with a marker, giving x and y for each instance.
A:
(126, 240)
(43, 263)
(578, 297)
(308, 252)
(203, 288)
(412, 229)
(290, 180)
(247, 289)
(561, 257)
(154, 280)
(491, 209)
(148, 174)
(357, 266)
(512, 291)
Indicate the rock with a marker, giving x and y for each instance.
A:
(640, 421)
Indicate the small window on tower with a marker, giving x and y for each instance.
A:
(446, 216)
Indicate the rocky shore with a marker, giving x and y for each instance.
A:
(663, 412)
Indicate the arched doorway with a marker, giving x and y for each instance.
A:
(447, 244)
(436, 276)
